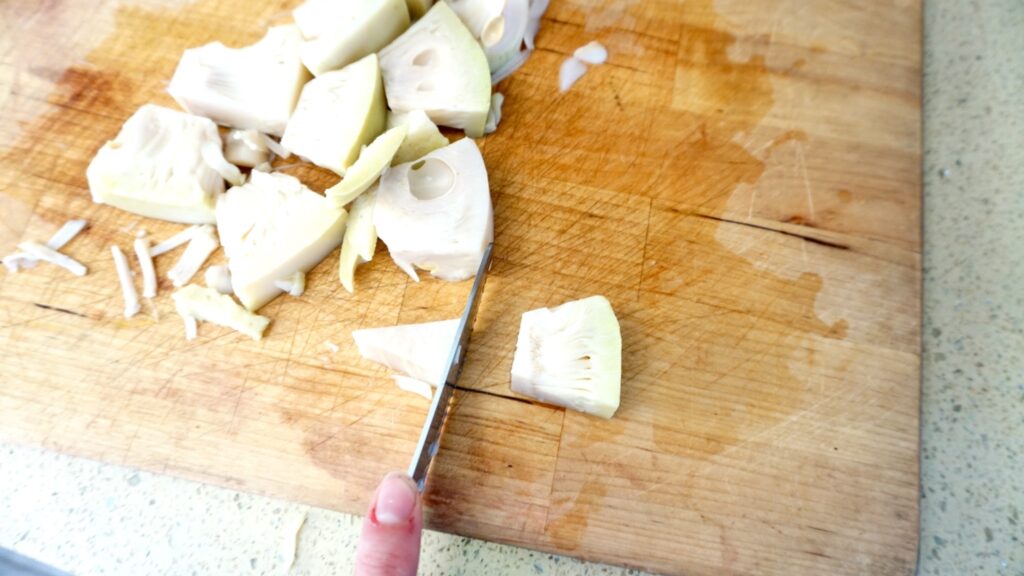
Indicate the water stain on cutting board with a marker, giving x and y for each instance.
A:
(716, 350)
(567, 530)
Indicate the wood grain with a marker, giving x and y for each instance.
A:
(741, 180)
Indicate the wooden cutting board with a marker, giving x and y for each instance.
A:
(741, 180)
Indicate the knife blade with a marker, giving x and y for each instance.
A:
(430, 436)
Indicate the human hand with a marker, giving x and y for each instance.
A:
(389, 544)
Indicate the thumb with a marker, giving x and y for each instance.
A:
(389, 544)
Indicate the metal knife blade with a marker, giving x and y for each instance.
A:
(430, 437)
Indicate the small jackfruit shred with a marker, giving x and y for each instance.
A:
(574, 67)
(145, 258)
(201, 245)
(207, 305)
(47, 254)
(124, 276)
(66, 233)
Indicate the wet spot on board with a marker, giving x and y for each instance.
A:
(838, 330)
(92, 89)
(567, 531)
(708, 349)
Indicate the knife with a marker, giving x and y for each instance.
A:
(430, 437)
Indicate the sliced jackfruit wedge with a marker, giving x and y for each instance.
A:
(571, 356)
(156, 167)
(338, 113)
(373, 160)
(419, 351)
(341, 32)
(360, 239)
(436, 214)
(437, 66)
(252, 87)
(271, 228)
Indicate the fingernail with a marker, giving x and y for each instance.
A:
(396, 499)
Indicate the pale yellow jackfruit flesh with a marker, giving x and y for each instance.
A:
(155, 167)
(571, 356)
(438, 66)
(422, 138)
(360, 239)
(373, 160)
(338, 113)
(271, 228)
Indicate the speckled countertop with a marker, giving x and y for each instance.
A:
(104, 519)
(972, 513)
